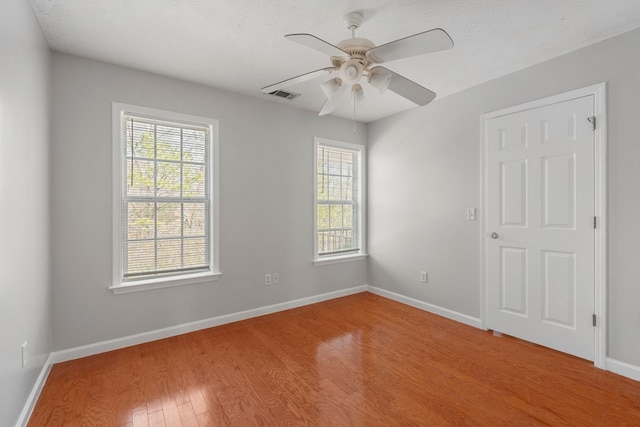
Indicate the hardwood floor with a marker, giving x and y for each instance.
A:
(361, 360)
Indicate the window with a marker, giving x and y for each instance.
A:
(339, 206)
(165, 207)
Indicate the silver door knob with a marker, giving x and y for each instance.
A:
(494, 235)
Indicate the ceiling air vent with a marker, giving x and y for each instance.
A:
(284, 94)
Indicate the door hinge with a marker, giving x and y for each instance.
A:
(595, 222)
(592, 120)
(593, 319)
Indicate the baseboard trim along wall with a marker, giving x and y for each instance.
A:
(431, 308)
(117, 343)
(623, 368)
(30, 404)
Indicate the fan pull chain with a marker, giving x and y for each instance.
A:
(355, 129)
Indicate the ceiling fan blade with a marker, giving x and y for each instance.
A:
(320, 45)
(338, 98)
(298, 79)
(417, 44)
(407, 88)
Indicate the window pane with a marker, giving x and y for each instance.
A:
(168, 179)
(347, 164)
(194, 219)
(169, 220)
(193, 146)
(140, 221)
(334, 162)
(347, 239)
(335, 216)
(169, 254)
(335, 188)
(195, 252)
(323, 187)
(140, 257)
(324, 242)
(140, 140)
(347, 218)
(193, 180)
(140, 180)
(347, 189)
(323, 217)
(167, 143)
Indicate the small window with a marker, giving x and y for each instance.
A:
(339, 207)
(164, 204)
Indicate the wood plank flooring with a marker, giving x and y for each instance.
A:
(361, 360)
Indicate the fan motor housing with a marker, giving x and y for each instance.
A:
(356, 47)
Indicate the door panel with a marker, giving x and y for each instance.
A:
(559, 286)
(558, 197)
(513, 193)
(540, 195)
(513, 280)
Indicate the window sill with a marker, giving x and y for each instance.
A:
(339, 259)
(166, 282)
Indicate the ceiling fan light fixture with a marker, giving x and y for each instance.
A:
(351, 71)
(355, 60)
(330, 87)
(380, 81)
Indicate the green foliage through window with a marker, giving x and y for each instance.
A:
(166, 197)
(337, 173)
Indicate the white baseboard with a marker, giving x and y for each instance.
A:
(440, 311)
(35, 392)
(622, 368)
(117, 343)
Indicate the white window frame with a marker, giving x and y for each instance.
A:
(118, 284)
(361, 204)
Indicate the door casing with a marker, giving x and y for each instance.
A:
(600, 197)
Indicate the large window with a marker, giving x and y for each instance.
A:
(164, 204)
(339, 194)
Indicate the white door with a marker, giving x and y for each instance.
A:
(540, 222)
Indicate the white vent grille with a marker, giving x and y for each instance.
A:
(284, 94)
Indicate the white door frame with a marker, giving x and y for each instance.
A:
(600, 187)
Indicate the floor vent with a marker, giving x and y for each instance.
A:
(284, 94)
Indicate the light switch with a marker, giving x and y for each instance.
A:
(471, 214)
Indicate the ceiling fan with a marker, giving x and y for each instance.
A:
(354, 65)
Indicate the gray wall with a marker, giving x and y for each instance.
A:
(25, 297)
(266, 203)
(424, 171)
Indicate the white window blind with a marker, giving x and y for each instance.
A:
(166, 198)
(337, 200)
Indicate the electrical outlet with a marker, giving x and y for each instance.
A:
(274, 278)
(424, 277)
(24, 354)
(268, 279)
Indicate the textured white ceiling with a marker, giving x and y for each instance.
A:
(238, 45)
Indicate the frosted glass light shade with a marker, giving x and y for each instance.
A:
(380, 81)
(330, 88)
